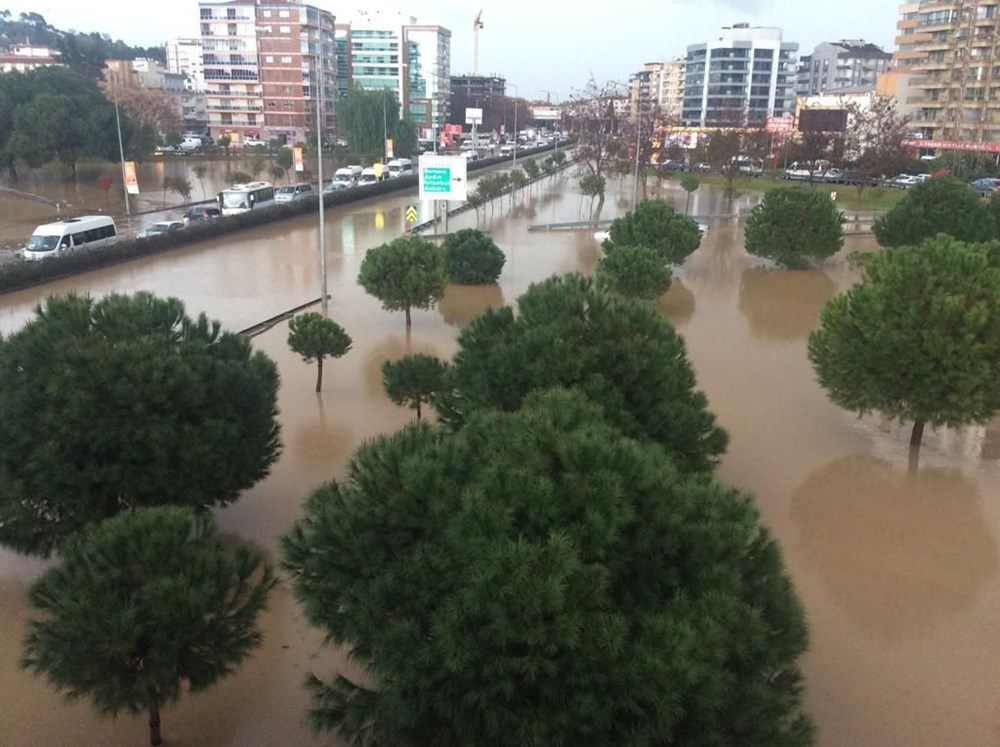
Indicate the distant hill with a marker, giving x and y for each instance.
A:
(85, 53)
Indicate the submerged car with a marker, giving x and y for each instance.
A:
(160, 228)
(202, 213)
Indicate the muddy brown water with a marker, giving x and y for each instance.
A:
(897, 571)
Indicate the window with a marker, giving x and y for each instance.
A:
(286, 59)
(285, 29)
(232, 29)
(269, 58)
(283, 14)
(206, 14)
(267, 14)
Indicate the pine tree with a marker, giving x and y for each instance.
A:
(315, 337)
(143, 607)
(414, 379)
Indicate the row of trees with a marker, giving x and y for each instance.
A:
(368, 118)
(918, 339)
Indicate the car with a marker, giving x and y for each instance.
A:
(903, 181)
(161, 228)
(674, 165)
(254, 142)
(331, 187)
(202, 212)
(986, 185)
(159, 150)
(289, 192)
(703, 167)
(834, 176)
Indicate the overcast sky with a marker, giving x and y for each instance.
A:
(537, 46)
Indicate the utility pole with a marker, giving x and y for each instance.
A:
(324, 304)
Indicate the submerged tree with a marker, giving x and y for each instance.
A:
(144, 607)
(919, 339)
(406, 273)
(114, 404)
(315, 337)
(794, 226)
(634, 272)
(414, 380)
(939, 205)
(472, 258)
(620, 352)
(537, 578)
(653, 223)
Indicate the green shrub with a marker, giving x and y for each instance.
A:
(472, 258)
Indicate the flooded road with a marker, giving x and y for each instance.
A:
(897, 571)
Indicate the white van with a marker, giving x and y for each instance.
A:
(347, 177)
(191, 143)
(400, 167)
(290, 192)
(368, 176)
(51, 239)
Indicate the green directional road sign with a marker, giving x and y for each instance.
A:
(443, 178)
(437, 180)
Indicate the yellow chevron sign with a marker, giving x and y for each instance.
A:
(411, 213)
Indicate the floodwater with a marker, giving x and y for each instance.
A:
(897, 570)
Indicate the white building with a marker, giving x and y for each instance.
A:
(184, 58)
(745, 75)
(24, 57)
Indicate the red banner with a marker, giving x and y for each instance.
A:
(952, 145)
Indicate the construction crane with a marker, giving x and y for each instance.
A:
(476, 25)
(548, 96)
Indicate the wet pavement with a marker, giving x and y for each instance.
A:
(897, 570)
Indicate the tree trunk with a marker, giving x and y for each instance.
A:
(319, 373)
(917, 434)
(154, 726)
(407, 318)
(687, 205)
(418, 409)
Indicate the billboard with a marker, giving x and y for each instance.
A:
(131, 180)
(822, 120)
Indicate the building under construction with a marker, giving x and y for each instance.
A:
(951, 51)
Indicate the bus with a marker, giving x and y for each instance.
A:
(51, 239)
(243, 197)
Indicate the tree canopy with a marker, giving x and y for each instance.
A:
(56, 114)
(620, 352)
(315, 337)
(537, 578)
(472, 258)
(406, 273)
(653, 223)
(939, 205)
(414, 380)
(919, 338)
(143, 607)
(794, 226)
(368, 117)
(634, 272)
(113, 404)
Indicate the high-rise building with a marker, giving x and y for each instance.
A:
(851, 63)
(644, 88)
(262, 63)
(949, 50)
(392, 52)
(672, 80)
(746, 75)
(659, 86)
(184, 58)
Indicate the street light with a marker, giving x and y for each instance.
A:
(320, 120)
(514, 149)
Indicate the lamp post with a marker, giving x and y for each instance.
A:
(638, 131)
(319, 172)
(514, 163)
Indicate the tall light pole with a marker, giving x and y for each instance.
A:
(514, 163)
(324, 305)
(638, 131)
(121, 154)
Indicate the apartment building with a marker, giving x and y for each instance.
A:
(263, 62)
(659, 86)
(745, 75)
(949, 50)
(849, 63)
(184, 58)
(380, 50)
(22, 58)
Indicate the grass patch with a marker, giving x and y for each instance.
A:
(847, 194)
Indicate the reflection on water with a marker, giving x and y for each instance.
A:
(784, 304)
(897, 572)
(463, 303)
(903, 553)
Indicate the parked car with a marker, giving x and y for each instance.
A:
(191, 143)
(986, 185)
(202, 213)
(161, 227)
(702, 167)
(254, 142)
(834, 176)
(335, 186)
(903, 181)
(674, 165)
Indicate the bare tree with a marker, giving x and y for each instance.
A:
(874, 139)
(592, 120)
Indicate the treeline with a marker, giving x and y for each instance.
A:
(83, 52)
(55, 114)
